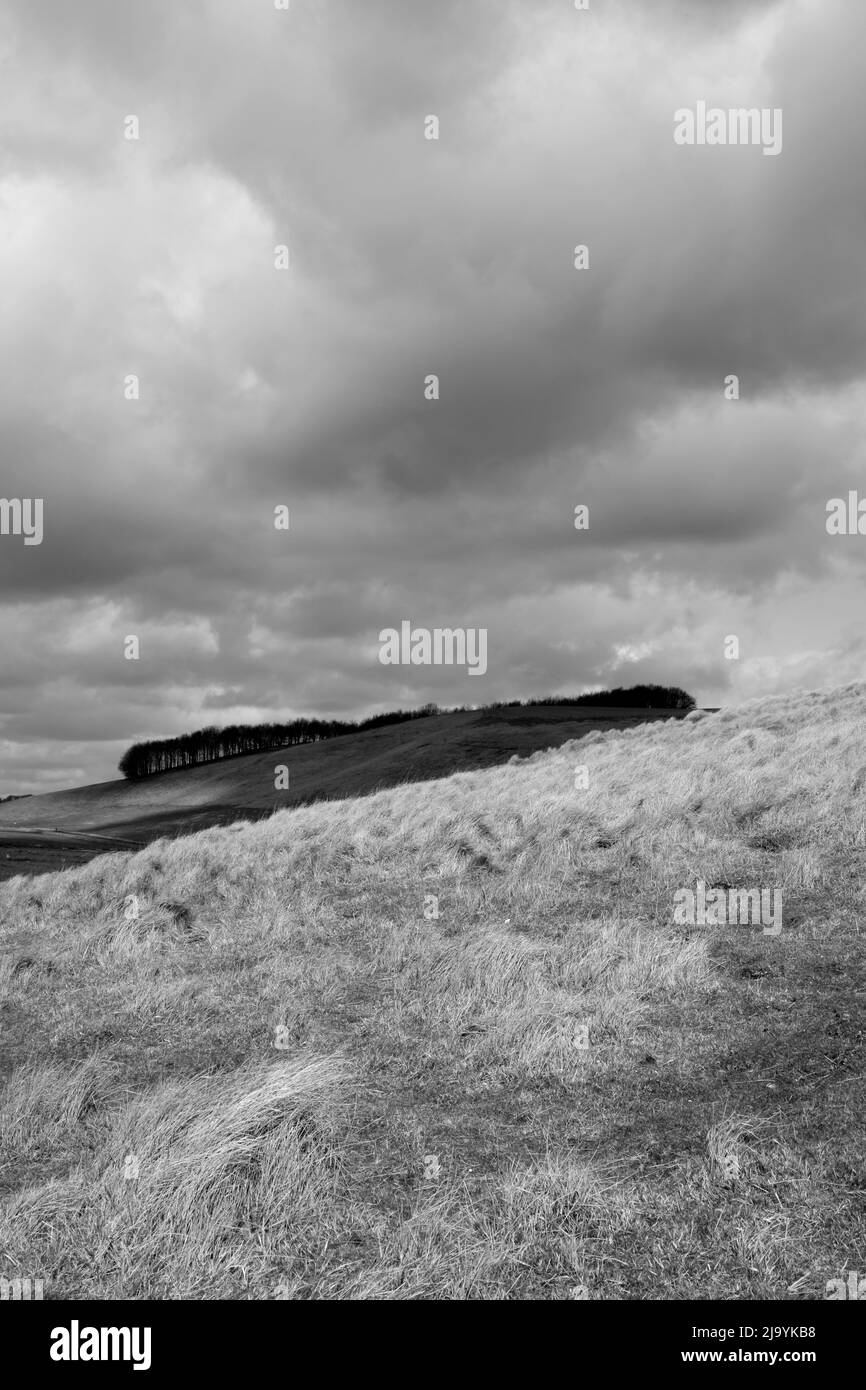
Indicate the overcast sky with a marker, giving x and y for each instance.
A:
(305, 387)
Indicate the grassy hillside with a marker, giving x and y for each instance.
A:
(59, 829)
(282, 1079)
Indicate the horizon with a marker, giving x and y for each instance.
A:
(551, 700)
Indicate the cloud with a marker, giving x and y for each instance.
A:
(408, 257)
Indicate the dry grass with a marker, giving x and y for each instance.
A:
(446, 1041)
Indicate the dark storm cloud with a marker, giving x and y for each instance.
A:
(408, 257)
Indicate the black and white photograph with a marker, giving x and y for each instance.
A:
(433, 676)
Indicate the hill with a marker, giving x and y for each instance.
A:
(451, 1040)
(57, 829)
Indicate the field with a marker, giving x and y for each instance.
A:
(446, 1040)
(61, 829)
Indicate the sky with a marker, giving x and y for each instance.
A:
(411, 257)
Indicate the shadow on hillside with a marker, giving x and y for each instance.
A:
(490, 740)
